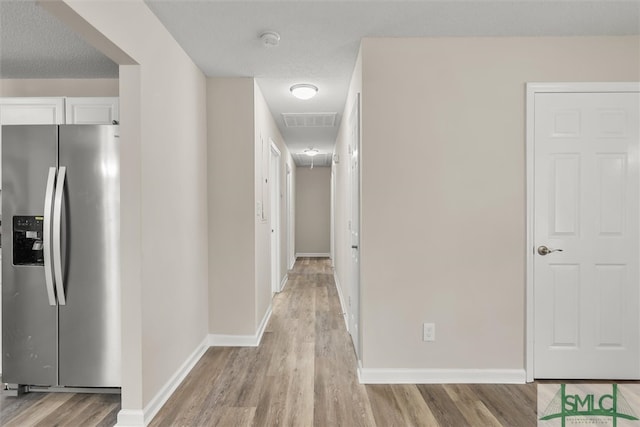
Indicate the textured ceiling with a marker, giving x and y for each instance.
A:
(319, 40)
(34, 44)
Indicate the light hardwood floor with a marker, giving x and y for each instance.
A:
(59, 409)
(303, 374)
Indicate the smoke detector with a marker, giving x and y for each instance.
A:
(270, 38)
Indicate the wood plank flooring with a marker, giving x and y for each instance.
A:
(303, 374)
(59, 409)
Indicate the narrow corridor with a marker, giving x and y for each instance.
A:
(302, 374)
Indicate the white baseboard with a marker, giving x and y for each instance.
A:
(130, 418)
(313, 255)
(137, 418)
(219, 340)
(283, 282)
(345, 313)
(441, 376)
(142, 418)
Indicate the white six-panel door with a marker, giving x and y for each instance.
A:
(586, 191)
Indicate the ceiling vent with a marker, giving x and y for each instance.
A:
(309, 120)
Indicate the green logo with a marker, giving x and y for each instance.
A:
(587, 406)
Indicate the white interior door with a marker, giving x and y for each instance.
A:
(586, 235)
(354, 167)
(274, 194)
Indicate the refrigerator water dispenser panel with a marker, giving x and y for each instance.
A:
(27, 240)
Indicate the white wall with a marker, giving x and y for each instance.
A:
(59, 87)
(266, 130)
(240, 128)
(313, 210)
(163, 193)
(232, 265)
(443, 190)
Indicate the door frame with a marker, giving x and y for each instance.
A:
(291, 258)
(332, 240)
(274, 216)
(355, 211)
(531, 90)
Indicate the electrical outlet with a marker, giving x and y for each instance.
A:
(429, 332)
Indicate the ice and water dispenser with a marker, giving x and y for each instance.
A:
(27, 240)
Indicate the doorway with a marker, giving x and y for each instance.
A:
(274, 194)
(354, 171)
(291, 258)
(583, 231)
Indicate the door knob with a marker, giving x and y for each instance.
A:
(543, 250)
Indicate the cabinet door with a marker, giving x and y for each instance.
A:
(91, 111)
(31, 111)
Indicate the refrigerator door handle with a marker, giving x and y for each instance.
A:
(46, 238)
(57, 230)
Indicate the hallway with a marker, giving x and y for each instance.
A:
(303, 374)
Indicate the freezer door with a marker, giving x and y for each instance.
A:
(29, 322)
(90, 319)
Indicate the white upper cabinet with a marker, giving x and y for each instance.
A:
(31, 111)
(57, 111)
(94, 111)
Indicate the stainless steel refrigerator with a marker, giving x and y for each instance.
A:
(60, 256)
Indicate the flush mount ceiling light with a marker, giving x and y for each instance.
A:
(270, 38)
(304, 91)
(311, 152)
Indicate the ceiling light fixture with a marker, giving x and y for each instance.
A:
(304, 91)
(311, 152)
(270, 38)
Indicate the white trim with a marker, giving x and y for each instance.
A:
(313, 255)
(274, 147)
(291, 259)
(283, 282)
(275, 214)
(360, 368)
(441, 376)
(345, 315)
(585, 87)
(529, 167)
(532, 89)
(332, 243)
(131, 418)
(170, 386)
(219, 340)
